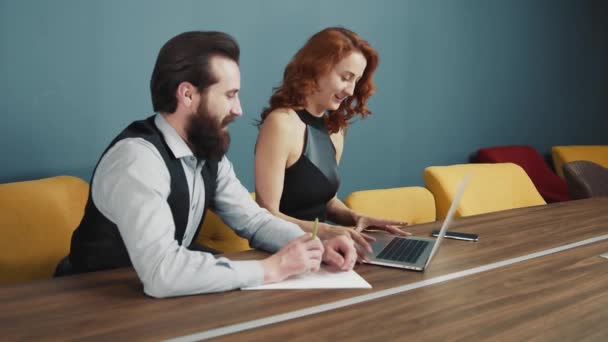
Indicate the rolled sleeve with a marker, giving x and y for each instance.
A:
(249, 272)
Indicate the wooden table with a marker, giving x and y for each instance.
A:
(563, 295)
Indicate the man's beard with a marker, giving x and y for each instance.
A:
(206, 136)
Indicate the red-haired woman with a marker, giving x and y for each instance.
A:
(301, 135)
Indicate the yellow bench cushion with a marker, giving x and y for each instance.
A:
(37, 221)
(565, 154)
(216, 235)
(493, 187)
(409, 204)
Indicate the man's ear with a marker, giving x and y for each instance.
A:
(184, 94)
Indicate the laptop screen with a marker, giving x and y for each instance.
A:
(449, 216)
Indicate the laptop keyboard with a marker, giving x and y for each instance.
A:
(404, 250)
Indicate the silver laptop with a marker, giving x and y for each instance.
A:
(412, 253)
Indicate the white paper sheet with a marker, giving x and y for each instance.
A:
(324, 279)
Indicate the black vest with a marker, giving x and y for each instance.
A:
(97, 244)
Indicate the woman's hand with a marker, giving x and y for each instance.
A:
(390, 226)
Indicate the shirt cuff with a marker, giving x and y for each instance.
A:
(249, 272)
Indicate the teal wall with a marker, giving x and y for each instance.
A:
(454, 76)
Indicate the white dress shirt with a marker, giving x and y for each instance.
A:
(130, 188)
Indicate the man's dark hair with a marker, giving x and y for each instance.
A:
(186, 58)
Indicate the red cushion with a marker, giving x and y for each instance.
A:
(548, 184)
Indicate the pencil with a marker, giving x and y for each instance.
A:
(315, 228)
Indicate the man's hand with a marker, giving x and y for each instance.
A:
(362, 241)
(299, 255)
(340, 252)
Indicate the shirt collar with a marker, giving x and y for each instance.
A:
(177, 145)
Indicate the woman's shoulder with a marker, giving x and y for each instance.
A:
(284, 118)
(279, 130)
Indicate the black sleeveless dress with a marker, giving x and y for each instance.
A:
(313, 179)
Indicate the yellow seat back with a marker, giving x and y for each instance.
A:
(215, 234)
(36, 223)
(565, 154)
(409, 204)
(493, 187)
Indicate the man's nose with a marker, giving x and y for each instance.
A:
(236, 108)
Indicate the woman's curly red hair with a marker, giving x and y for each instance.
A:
(318, 57)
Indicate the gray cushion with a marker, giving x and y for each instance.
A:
(586, 179)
